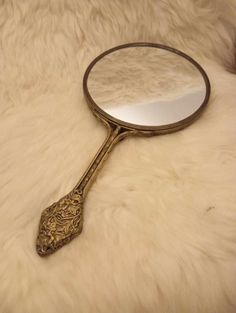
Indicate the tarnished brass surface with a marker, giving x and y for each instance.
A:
(63, 220)
(60, 222)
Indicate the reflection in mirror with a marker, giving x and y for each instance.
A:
(146, 86)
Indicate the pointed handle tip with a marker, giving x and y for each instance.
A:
(60, 223)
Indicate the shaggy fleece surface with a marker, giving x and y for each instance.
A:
(160, 221)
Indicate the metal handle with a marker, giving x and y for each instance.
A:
(63, 220)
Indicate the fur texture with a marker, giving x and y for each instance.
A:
(160, 221)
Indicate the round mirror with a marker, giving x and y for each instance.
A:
(139, 88)
(146, 86)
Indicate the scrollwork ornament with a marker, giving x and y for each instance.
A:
(60, 223)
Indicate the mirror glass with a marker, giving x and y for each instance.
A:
(146, 86)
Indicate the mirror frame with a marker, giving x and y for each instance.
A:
(62, 221)
(148, 130)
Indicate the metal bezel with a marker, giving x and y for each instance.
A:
(143, 129)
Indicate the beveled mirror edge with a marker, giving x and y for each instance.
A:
(145, 130)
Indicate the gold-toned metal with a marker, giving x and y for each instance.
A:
(63, 220)
(60, 223)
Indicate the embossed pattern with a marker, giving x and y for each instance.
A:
(60, 222)
(63, 220)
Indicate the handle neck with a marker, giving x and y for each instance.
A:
(114, 135)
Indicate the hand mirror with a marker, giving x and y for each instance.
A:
(142, 89)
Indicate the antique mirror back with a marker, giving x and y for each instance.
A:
(142, 89)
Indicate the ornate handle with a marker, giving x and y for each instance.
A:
(60, 223)
(63, 220)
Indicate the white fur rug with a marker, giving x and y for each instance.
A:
(160, 221)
